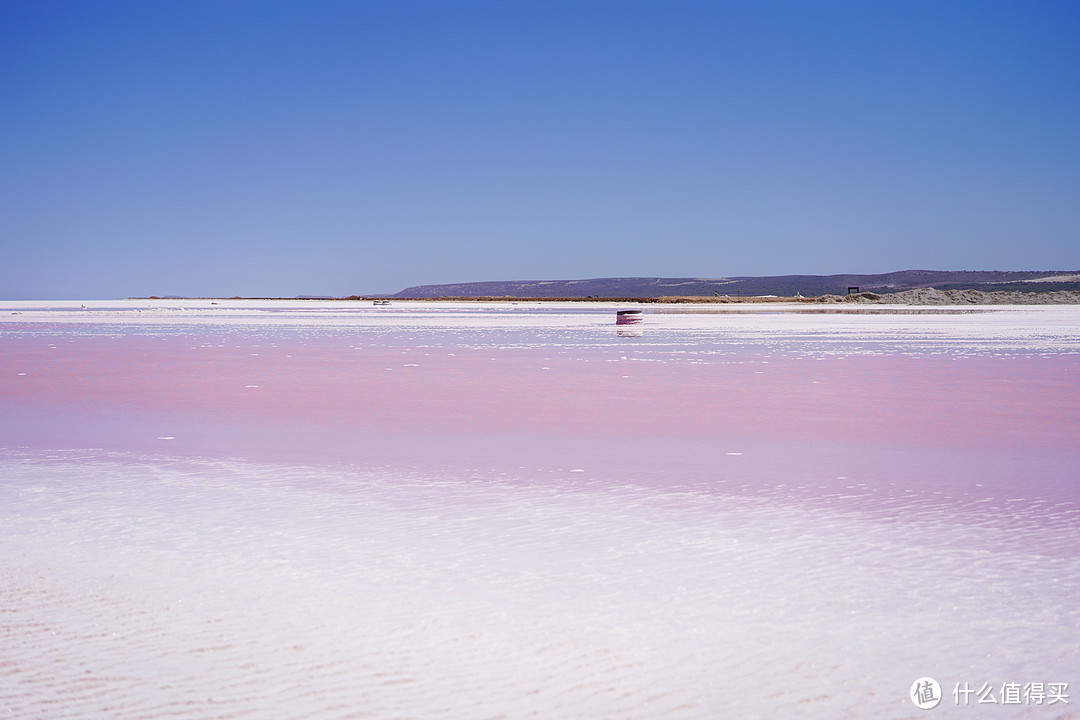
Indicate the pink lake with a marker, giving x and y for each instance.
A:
(439, 510)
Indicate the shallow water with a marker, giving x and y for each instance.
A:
(476, 512)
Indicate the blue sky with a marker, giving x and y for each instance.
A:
(270, 148)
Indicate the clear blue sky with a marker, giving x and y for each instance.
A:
(262, 147)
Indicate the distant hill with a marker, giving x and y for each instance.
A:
(783, 285)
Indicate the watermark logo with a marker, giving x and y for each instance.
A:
(925, 693)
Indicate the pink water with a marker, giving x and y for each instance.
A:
(475, 516)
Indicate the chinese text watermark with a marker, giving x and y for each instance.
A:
(926, 693)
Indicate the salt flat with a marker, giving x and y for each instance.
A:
(328, 509)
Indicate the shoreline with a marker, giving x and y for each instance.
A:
(917, 297)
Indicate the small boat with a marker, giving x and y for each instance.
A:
(382, 302)
(628, 317)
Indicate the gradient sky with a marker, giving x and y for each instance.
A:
(271, 148)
